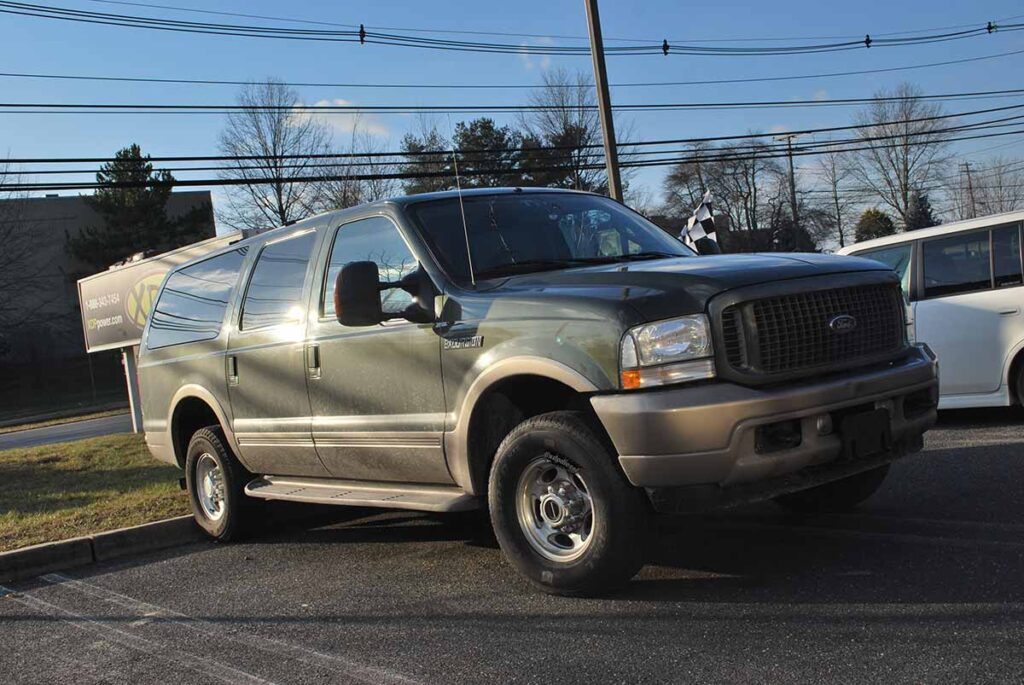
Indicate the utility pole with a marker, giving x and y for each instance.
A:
(604, 101)
(792, 183)
(970, 189)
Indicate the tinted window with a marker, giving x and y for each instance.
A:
(371, 240)
(192, 304)
(274, 295)
(896, 258)
(958, 264)
(519, 232)
(1006, 256)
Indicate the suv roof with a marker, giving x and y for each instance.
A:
(398, 201)
(933, 231)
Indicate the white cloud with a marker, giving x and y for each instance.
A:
(544, 63)
(348, 122)
(820, 94)
(777, 128)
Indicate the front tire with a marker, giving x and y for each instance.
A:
(563, 513)
(215, 481)
(837, 496)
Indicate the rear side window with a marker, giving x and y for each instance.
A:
(192, 304)
(1006, 256)
(274, 295)
(958, 264)
(896, 258)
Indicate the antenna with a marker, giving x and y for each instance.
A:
(462, 211)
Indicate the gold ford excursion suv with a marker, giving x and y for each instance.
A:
(549, 355)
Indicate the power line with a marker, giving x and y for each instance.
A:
(148, 108)
(294, 20)
(491, 86)
(363, 36)
(435, 153)
(35, 187)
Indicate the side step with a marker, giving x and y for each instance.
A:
(362, 494)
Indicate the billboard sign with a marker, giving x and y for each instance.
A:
(116, 303)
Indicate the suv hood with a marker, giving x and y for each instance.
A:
(662, 288)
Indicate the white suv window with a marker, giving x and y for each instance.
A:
(1006, 256)
(896, 258)
(957, 264)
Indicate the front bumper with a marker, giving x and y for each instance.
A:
(706, 434)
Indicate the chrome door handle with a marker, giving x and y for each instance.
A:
(232, 370)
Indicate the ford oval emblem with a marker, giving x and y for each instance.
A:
(844, 323)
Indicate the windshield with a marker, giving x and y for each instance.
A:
(523, 232)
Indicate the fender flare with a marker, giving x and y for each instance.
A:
(198, 392)
(457, 439)
(1011, 356)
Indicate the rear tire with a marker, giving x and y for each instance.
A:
(563, 513)
(837, 496)
(215, 481)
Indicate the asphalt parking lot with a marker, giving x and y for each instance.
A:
(925, 583)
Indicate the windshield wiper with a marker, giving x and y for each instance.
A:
(529, 265)
(526, 266)
(648, 255)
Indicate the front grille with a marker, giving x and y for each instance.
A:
(797, 332)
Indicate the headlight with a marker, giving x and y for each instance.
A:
(671, 351)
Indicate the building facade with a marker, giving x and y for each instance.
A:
(43, 364)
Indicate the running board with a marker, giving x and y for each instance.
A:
(362, 494)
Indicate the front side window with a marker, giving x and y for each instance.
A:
(521, 232)
(958, 264)
(896, 258)
(274, 295)
(192, 304)
(1006, 256)
(374, 240)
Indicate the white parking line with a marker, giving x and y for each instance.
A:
(147, 612)
(207, 667)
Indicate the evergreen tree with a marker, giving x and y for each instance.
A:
(873, 223)
(486, 147)
(135, 215)
(919, 213)
(429, 139)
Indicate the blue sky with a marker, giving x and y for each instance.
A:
(47, 46)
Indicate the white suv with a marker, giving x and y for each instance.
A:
(964, 283)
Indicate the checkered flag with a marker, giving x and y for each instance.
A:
(700, 228)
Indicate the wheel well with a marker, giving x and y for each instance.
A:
(1011, 381)
(508, 403)
(190, 415)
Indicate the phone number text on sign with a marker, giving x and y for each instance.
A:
(104, 300)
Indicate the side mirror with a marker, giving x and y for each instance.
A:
(357, 295)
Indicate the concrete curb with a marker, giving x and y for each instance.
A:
(48, 557)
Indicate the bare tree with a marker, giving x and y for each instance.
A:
(565, 119)
(685, 184)
(25, 293)
(834, 167)
(905, 146)
(286, 141)
(986, 188)
(358, 179)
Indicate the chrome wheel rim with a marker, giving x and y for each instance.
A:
(210, 487)
(555, 509)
